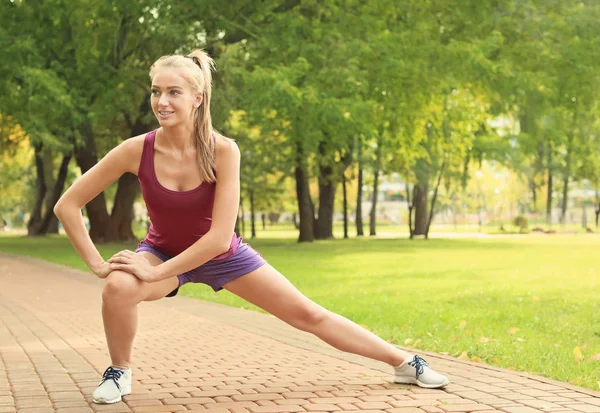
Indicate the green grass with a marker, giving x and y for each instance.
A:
(526, 303)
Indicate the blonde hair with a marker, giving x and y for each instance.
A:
(199, 67)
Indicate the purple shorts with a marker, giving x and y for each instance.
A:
(214, 273)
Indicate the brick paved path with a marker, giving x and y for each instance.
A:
(202, 357)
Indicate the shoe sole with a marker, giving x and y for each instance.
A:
(420, 383)
(117, 400)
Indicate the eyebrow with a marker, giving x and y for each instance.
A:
(168, 87)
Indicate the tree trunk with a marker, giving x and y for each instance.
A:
(565, 200)
(411, 230)
(420, 204)
(50, 224)
(50, 220)
(263, 217)
(97, 213)
(373, 213)
(533, 187)
(376, 169)
(324, 222)
(252, 216)
(345, 206)
(122, 214)
(295, 220)
(305, 206)
(243, 221)
(597, 212)
(40, 193)
(359, 219)
(549, 197)
(434, 197)
(565, 194)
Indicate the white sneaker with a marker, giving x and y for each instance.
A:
(114, 384)
(415, 370)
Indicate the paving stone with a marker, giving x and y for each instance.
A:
(195, 356)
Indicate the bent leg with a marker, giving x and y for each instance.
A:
(271, 291)
(121, 295)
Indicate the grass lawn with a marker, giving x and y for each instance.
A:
(529, 303)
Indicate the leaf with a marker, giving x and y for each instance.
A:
(462, 324)
(468, 333)
(476, 359)
(408, 341)
(417, 342)
(484, 340)
(513, 330)
(595, 357)
(535, 299)
(464, 356)
(578, 354)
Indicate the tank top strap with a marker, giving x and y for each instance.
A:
(147, 153)
(214, 136)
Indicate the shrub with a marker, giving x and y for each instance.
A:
(521, 222)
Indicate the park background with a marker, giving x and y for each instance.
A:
(430, 170)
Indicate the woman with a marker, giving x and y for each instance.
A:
(189, 177)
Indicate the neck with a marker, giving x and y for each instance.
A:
(179, 137)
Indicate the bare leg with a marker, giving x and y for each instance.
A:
(120, 297)
(272, 292)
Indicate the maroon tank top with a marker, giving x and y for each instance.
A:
(178, 218)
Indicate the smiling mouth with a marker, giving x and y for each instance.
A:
(164, 113)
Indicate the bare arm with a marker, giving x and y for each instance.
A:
(121, 159)
(227, 198)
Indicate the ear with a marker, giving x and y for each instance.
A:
(198, 101)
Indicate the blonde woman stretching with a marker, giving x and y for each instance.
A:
(190, 180)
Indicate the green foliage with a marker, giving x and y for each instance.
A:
(16, 178)
(420, 85)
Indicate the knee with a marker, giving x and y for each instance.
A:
(308, 317)
(120, 286)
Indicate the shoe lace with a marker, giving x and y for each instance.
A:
(112, 374)
(419, 364)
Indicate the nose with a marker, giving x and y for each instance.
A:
(163, 100)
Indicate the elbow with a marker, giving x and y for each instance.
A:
(222, 244)
(58, 208)
(225, 246)
(61, 208)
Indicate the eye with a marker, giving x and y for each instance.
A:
(175, 93)
(155, 92)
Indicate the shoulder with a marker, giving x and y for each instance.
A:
(129, 152)
(226, 149)
(133, 145)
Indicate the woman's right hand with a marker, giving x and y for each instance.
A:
(102, 270)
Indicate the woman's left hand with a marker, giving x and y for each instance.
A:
(135, 264)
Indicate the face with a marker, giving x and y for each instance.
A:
(172, 97)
